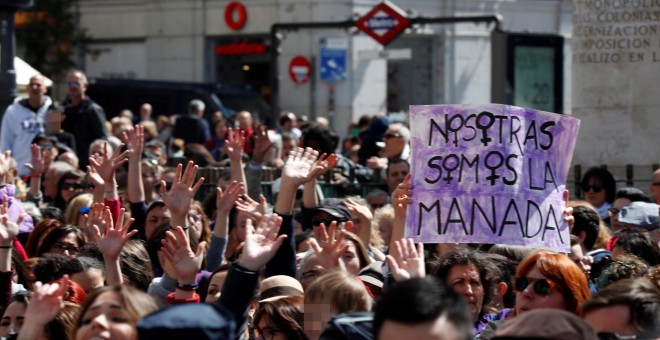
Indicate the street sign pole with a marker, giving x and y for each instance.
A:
(277, 28)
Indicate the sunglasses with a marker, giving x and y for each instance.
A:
(540, 286)
(45, 146)
(615, 336)
(391, 135)
(596, 188)
(72, 84)
(69, 186)
(61, 248)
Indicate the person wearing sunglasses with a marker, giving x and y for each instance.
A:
(550, 280)
(69, 184)
(544, 280)
(599, 188)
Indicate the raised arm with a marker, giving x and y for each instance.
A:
(180, 196)
(47, 300)
(134, 140)
(224, 202)
(364, 218)
(400, 200)
(8, 230)
(183, 264)
(110, 242)
(234, 148)
(310, 198)
(261, 245)
(106, 166)
(37, 168)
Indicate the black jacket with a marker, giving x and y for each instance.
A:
(86, 122)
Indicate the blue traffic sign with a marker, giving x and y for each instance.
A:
(333, 64)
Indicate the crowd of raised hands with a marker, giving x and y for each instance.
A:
(237, 242)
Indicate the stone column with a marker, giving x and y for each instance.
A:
(616, 81)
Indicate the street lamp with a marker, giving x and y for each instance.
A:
(8, 9)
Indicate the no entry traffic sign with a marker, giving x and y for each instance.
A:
(384, 22)
(300, 69)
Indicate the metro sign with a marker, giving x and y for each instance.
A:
(384, 22)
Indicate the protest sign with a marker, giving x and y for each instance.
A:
(489, 174)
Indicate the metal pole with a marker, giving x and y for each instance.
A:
(7, 72)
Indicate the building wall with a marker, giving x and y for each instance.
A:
(169, 40)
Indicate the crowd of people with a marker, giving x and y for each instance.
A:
(103, 234)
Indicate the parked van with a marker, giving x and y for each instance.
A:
(172, 98)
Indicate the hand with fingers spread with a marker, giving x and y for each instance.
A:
(112, 240)
(262, 144)
(234, 145)
(256, 210)
(406, 260)
(183, 190)
(183, 262)
(134, 140)
(106, 166)
(301, 167)
(8, 229)
(95, 177)
(327, 162)
(37, 163)
(261, 243)
(329, 248)
(225, 200)
(95, 220)
(47, 300)
(359, 211)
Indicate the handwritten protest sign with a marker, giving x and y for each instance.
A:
(489, 174)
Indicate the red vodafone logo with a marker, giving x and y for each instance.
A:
(300, 69)
(235, 15)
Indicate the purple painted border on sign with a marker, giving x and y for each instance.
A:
(506, 188)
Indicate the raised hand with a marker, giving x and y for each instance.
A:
(225, 200)
(8, 229)
(112, 240)
(329, 248)
(180, 196)
(106, 166)
(261, 144)
(261, 244)
(234, 144)
(182, 261)
(37, 161)
(256, 210)
(47, 300)
(359, 211)
(95, 177)
(95, 218)
(401, 196)
(406, 261)
(134, 140)
(301, 167)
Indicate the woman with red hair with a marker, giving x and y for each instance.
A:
(544, 280)
(550, 280)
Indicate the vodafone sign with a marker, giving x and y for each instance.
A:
(235, 15)
(300, 69)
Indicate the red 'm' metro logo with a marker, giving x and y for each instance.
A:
(384, 22)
